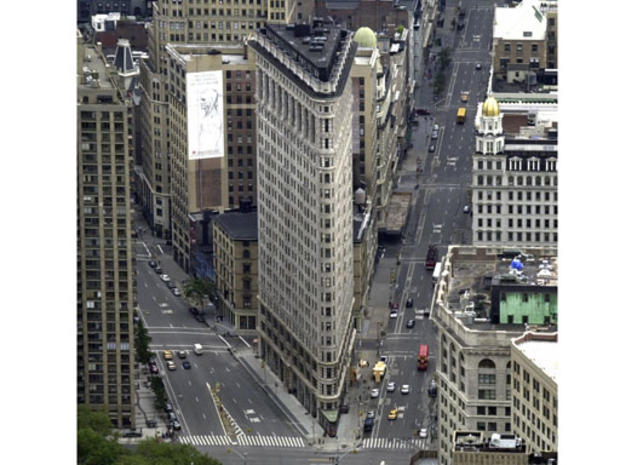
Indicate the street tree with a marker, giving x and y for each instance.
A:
(95, 420)
(164, 453)
(439, 84)
(157, 386)
(445, 58)
(142, 341)
(198, 290)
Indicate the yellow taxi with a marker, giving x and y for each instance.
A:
(168, 355)
(393, 414)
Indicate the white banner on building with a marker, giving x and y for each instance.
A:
(205, 115)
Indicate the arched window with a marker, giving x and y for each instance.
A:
(486, 363)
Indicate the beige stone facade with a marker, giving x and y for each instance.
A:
(474, 354)
(305, 213)
(535, 360)
(105, 296)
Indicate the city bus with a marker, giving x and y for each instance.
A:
(423, 357)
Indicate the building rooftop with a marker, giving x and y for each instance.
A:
(469, 273)
(542, 350)
(317, 56)
(230, 54)
(95, 70)
(314, 45)
(474, 441)
(396, 213)
(240, 226)
(522, 22)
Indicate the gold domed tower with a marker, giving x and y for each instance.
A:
(490, 107)
(489, 130)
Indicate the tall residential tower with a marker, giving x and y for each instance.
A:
(304, 100)
(105, 268)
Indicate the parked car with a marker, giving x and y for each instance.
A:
(466, 209)
(423, 433)
(171, 365)
(170, 285)
(186, 364)
(434, 134)
(435, 127)
(431, 148)
(383, 358)
(151, 423)
(393, 414)
(404, 389)
(370, 414)
(176, 425)
(344, 408)
(176, 291)
(374, 393)
(158, 270)
(152, 263)
(199, 318)
(393, 314)
(168, 407)
(182, 354)
(133, 433)
(165, 278)
(432, 389)
(154, 369)
(168, 355)
(409, 303)
(391, 386)
(395, 306)
(410, 323)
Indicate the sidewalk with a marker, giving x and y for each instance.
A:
(307, 426)
(145, 411)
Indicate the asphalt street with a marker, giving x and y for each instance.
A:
(171, 326)
(441, 192)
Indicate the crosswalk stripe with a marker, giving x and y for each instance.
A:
(263, 441)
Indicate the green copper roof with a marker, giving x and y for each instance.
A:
(365, 37)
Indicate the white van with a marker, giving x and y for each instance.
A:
(198, 349)
(436, 272)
